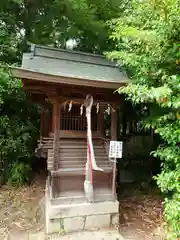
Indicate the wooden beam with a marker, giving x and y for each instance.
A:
(39, 88)
(38, 76)
(81, 101)
(71, 92)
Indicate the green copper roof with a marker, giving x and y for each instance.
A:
(65, 63)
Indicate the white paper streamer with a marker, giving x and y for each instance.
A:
(70, 106)
(108, 109)
(81, 109)
(97, 108)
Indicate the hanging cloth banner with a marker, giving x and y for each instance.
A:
(91, 158)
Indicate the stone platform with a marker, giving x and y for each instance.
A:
(97, 235)
(67, 218)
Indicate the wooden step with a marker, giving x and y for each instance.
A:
(77, 155)
(75, 171)
(80, 153)
(80, 158)
(76, 141)
(82, 163)
(68, 171)
(73, 156)
(80, 148)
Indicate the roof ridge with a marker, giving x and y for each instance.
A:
(33, 46)
(73, 56)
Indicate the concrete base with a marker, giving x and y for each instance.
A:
(80, 217)
(85, 235)
(98, 235)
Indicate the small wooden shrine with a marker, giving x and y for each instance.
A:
(76, 92)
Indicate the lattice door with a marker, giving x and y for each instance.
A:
(73, 121)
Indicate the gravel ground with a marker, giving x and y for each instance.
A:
(21, 218)
(141, 213)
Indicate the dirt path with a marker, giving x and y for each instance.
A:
(20, 214)
(19, 208)
(141, 214)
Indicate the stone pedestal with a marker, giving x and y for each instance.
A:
(66, 218)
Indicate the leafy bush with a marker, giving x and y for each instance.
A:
(147, 44)
(18, 126)
(172, 214)
(19, 174)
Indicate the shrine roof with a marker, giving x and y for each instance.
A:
(71, 67)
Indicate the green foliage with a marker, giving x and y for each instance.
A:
(18, 124)
(19, 174)
(172, 213)
(53, 22)
(147, 40)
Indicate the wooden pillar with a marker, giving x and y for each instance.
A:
(100, 120)
(55, 115)
(48, 123)
(45, 122)
(114, 123)
(41, 122)
(56, 130)
(114, 138)
(56, 134)
(54, 159)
